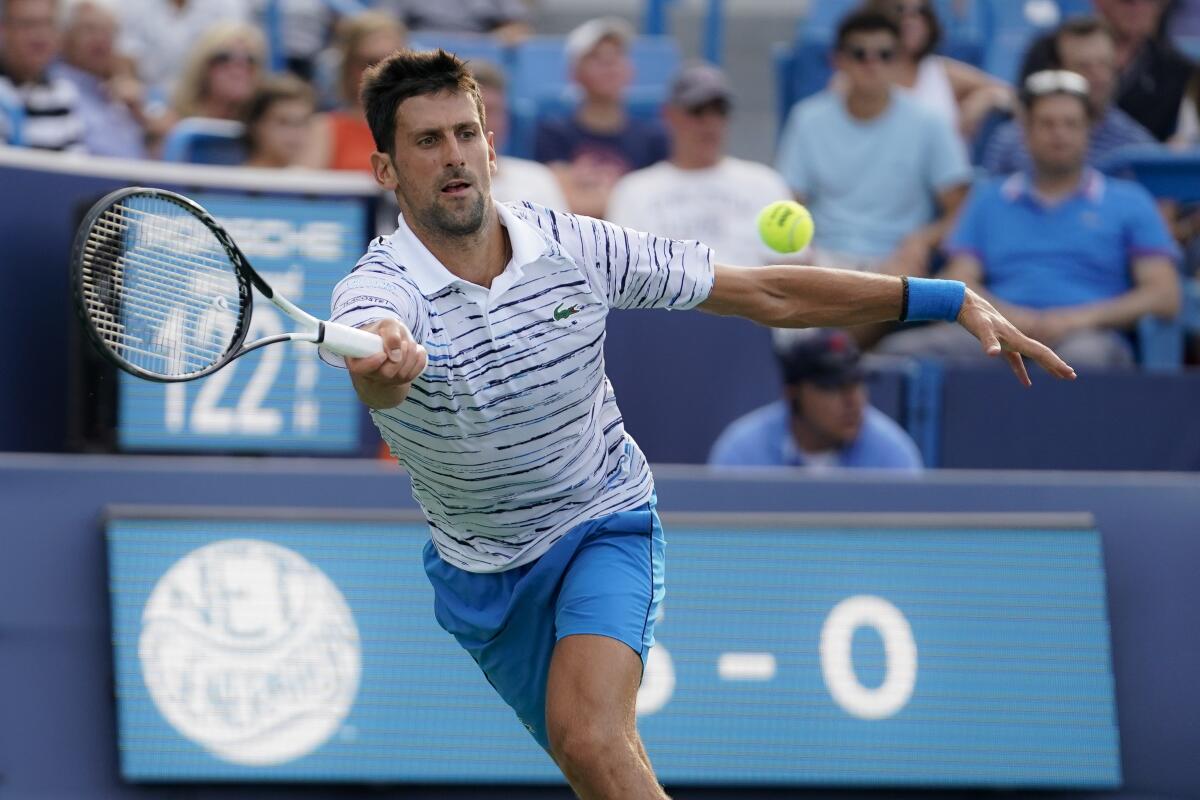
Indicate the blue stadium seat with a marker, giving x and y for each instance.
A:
(199, 140)
(1012, 25)
(469, 47)
(1175, 176)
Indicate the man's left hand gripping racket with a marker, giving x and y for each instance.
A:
(165, 293)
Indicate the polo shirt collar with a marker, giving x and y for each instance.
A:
(431, 276)
(1091, 187)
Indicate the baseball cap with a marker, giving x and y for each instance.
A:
(824, 356)
(1055, 81)
(584, 39)
(698, 84)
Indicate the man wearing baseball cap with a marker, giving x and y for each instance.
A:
(598, 142)
(701, 193)
(823, 421)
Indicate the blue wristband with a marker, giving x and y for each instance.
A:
(933, 299)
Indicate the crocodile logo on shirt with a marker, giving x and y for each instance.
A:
(561, 313)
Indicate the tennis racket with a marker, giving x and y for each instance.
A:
(165, 294)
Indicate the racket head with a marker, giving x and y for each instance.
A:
(162, 290)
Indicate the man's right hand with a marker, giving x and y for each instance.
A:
(383, 380)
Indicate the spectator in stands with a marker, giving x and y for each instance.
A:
(824, 420)
(1153, 75)
(597, 144)
(341, 138)
(515, 178)
(1083, 45)
(507, 20)
(278, 122)
(37, 108)
(110, 99)
(222, 73)
(1072, 257)
(156, 33)
(700, 192)
(881, 175)
(953, 89)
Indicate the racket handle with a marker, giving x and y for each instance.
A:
(347, 341)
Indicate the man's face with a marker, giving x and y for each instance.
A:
(866, 61)
(496, 106)
(29, 35)
(699, 133)
(1095, 58)
(834, 413)
(441, 165)
(1056, 133)
(282, 133)
(88, 43)
(1132, 19)
(605, 71)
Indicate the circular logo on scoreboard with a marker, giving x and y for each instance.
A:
(250, 651)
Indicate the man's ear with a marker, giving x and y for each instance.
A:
(384, 171)
(491, 140)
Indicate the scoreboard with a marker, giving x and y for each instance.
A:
(937, 650)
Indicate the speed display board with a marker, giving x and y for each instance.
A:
(280, 398)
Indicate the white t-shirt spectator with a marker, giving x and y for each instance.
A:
(717, 206)
(158, 35)
(519, 179)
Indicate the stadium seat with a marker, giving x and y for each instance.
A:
(469, 47)
(200, 140)
(1011, 26)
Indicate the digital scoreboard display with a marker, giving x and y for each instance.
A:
(280, 398)
(852, 650)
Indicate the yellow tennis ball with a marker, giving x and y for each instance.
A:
(785, 226)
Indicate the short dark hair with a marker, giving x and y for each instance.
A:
(865, 20)
(412, 73)
(928, 13)
(1079, 27)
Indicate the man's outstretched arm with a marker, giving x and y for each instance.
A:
(810, 297)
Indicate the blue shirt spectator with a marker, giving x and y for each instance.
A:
(763, 438)
(824, 420)
(637, 145)
(1072, 252)
(1006, 152)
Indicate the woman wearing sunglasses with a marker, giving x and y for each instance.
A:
(951, 88)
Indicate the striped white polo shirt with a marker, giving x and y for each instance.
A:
(43, 114)
(512, 434)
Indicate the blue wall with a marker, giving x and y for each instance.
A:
(56, 663)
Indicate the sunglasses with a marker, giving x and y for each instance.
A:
(862, 55)
(229, 57)
(717, 106)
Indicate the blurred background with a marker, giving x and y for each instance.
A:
(894, 571)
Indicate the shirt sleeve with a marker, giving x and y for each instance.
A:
(792, 158)
(948, 164)
(968, 233)
(371, 293)
(1145, 232)
(551, 143)
(635, 269)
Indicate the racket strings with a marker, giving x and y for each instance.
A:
(158, 287)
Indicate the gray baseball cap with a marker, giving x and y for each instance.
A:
(697, 84)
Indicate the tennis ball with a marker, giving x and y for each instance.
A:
(785, 226)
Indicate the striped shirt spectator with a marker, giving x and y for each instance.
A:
(501, 479)
(36, 108)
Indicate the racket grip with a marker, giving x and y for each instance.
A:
(347, 341)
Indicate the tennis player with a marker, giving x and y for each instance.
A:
(546, 553)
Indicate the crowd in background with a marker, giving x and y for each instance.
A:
(888, 158)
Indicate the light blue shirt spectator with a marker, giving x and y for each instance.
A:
(869, 184)
(763, 438)
(109, 127)
(1006, 153)
(1073, 252)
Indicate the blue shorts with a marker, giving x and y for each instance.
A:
(605, 577)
